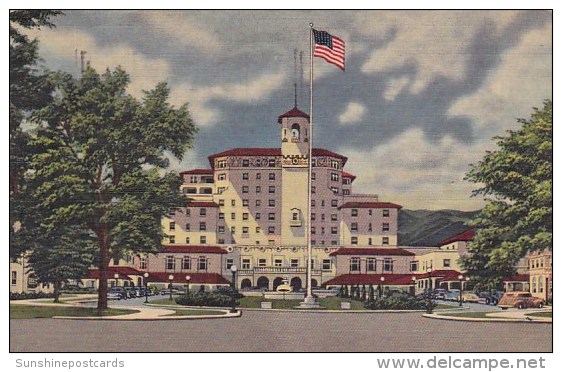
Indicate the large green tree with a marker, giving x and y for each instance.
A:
(100, 157)
(516, 180)
(30, 89)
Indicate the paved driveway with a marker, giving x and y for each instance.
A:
(280, 331)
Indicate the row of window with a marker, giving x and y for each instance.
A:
(355, 264)
(355, 227)
(355, 212)
(204, 179)
(536, 263)
(221, 164)
(202, 263)
(537, 284)
(355, 240)
(246, 263)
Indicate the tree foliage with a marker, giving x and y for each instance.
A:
(516, 180)
(99, 157)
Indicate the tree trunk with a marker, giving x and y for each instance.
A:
(103, 238)
(57, 285)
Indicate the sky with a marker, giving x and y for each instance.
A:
(422, 96)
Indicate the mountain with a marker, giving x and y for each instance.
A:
(429, 228)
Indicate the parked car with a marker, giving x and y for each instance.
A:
(439, 293)
(519, 300)
(468, 296)
(114, 296)
(118, 291)
(490, 297)
(452, 295)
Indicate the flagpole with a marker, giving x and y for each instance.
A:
(310, 146)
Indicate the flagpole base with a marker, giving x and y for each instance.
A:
(310, 302)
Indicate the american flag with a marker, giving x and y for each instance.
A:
(329, 47)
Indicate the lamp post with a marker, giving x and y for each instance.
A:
(428, 306)
(382, 287)
(414, 286)
(187, 279)
(171, 279)
(116, 277)
(460, 292)
(145, 288)
(233, 268)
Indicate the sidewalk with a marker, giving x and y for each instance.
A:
(509, 316)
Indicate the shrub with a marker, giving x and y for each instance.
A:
(214, 299)
(30, 296)
(401, 302)
(228, 291)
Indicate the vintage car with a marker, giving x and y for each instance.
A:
(519, 300)
(470, 297)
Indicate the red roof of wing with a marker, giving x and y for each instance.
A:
(367, 279)
(373, 205)
(468, 235)
(293, 113)
(372, 252)
(194, 278)
(348, 175)
(202, 204)
(198, 171)
(122, 271)
(444, 275)
(258, 151)
(193, 249)
(517, 278)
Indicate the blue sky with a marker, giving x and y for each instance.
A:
(421, 97)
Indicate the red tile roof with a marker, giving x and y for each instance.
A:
(198, 171)
(257, 151)
(202, 204)
(293, 113)
(462, 237)
(444, 275)
(373, 205)
(348, 175)
(372, 252)
(194, 278)
(367, 279)
(517, 278)
(193, 249)
(122, 271)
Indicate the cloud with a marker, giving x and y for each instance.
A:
(435, 43)
(394, 86)
(354, 112)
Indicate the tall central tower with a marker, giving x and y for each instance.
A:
(294, 163)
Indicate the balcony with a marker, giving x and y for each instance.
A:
(277, 270)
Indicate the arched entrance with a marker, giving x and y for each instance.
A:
(245, 283)
(277, 282)
(263, 282)
(296, 283)
(314, 283)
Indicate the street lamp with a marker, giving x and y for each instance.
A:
(116, 277)
(460, 292)
(381, 287)
(187, 279)
(233, 268)
(414, 286)
(171, 279)
(428, 290)
(146, 287)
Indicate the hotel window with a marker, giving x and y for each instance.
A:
(313, 189)
(371, 264)
(262, 262)
(313, 203)
(541, 284)
(170, 263)
(335, 177)
(221, 164)
(172, 226)
(313, 216)
(202, 212)
(189, 190)
(221, 177)
(326, 264)
(172, 239)
(221, 229)
(272, 189)
(258, 203)
(313, 162)
(323, 203)
(187, 240)
(385, 212)
(271, 242)
(294, 262)
(258, 189)
(313, 176)
(193, 179)
(233, 229)
(271, 163)
(258, 229)
(245, 176)
(229, 263)
(221, 216)
(355, 264)
(245, 230)
(388, 265)
(271, 202)
(203, 239)
(142, 263)
(313, 242)
(14, 277)
(334, 230)
(186, 263)
(271, 216)
(334, 242)
(272, 176)
(188, 212)
(245, 202)
(370, 228)
(246, 263)
(534, 284)
(313, 230)
(221, 202)
(245, 189)
(271, 230)
(295, 216)
(233, 203)
(202, 226)
(334, 203)
(354, 240)
(220, 190)
(278, 262)
(354, 212)
(245, 162)
(245, 216)
(323, 217)
(335, 164)
(370, 241)
(446, 262)
(258, 176)
(335, 190)
(385, 226)
(258, 216)
(233, 216)
(202, 263)
(323, 230)
(385, 240)
(334, 217)
(414, 266)
(354, 226)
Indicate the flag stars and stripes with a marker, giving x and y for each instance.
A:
(330, 48)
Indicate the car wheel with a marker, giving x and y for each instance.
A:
(487, 301)
(540, 305)
(520, 306)
(494, 302)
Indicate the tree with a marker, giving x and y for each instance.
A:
(30, 90)
(517, 184)
(99, 160)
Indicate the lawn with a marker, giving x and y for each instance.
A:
(30, 312)
(182, 312)
(542, 314)
(474, 314)
(445, 307)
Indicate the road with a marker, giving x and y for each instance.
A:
(280, 331)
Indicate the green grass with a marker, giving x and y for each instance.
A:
(542, 314)
(444, 307)
(182, 312)
(31, 312)
(163, 302)
(474, 314)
